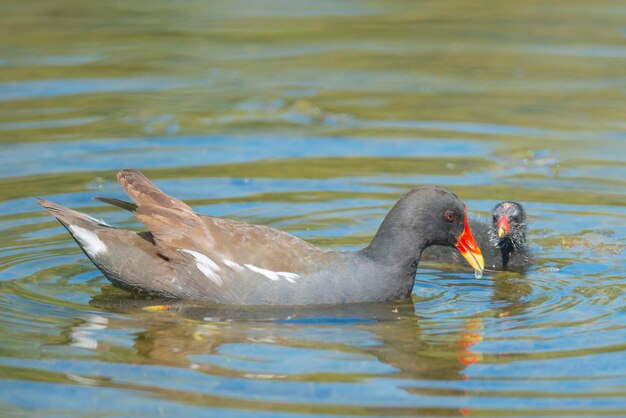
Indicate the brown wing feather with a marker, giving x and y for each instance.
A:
(144, 192)
(175, 227)
(172, 222)
(174, 230)
(259, 245)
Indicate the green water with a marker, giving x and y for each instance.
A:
(313, 117)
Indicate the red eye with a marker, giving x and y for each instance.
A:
(449, 216)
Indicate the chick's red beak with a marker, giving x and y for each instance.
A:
(503, 226)
(466, 245)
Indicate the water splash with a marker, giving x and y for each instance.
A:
(478, 274)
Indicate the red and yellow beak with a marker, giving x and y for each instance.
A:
(503, 227)
(466, 244)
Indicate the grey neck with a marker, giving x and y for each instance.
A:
(393, 244)
(397, 244)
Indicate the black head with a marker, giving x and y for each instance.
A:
(426, 216)
(508, 226)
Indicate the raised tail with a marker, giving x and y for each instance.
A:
(69, 217)
(82, 227)
(128, 259)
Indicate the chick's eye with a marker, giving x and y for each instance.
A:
(449, 216)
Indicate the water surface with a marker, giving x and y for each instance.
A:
(313, 117)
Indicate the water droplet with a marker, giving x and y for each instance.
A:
(478, 274)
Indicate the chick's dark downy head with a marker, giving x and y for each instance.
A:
(508, 230)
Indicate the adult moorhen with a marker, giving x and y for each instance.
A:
(503, 241)
(190, 256)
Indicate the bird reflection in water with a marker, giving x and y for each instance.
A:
(390, 339)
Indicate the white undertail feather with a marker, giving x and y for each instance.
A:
(206, 266)
(89, 240)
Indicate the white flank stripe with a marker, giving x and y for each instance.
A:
(233, 265)
(274, 275)
(209, 273)
(201, 258)
(206, 266)
(290, 277)
(89, 240)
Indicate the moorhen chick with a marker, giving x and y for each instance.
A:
(503, 241)
(185, 255)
